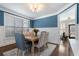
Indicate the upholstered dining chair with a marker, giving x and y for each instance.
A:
(21, 44)
(46, 39)
(42, 41)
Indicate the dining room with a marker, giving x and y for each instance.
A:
(19, 36)
(28, 29)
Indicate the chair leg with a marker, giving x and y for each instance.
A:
(17, 52)
(1, 54)
(46, 45)
(23, 53)
(38, 51)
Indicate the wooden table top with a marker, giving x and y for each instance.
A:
(31, 38)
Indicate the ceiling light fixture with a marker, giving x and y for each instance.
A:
(36, 7)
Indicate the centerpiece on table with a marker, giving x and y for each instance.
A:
(35, 31)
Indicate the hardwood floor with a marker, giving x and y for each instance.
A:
(63, 49)
(7, 48)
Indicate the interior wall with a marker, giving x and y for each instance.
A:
(78, 21)
(49, 24)
(53, 34)
(78, 24)
(67, 17)
(7, 27)
(46, 22)
(74, 15)
(77, 31)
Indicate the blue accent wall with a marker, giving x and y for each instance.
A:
(1, 18)
(44, 22)
(78, 13)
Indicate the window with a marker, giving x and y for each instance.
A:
(26, 23)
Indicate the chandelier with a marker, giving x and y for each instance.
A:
(36, 7)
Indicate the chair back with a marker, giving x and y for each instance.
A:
(42, 39)
(19, 38)
(46, 38)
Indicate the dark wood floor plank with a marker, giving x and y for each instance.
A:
(63, 49)
(7, 48)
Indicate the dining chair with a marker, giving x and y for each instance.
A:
(21, 44)
(42, 41)
(46, 39)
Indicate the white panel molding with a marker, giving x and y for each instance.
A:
(53, 34)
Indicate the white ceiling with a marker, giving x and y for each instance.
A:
(23, 8)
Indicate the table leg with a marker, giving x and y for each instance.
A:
(1, 54)
(32, 49)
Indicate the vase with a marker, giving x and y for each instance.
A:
(35, 33)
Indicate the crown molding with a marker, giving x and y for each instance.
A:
(45, 16)
(13, 12)
(52, 14)
(65, 7)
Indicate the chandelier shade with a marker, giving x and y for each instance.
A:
(36, 7)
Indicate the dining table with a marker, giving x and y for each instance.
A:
(32, 39)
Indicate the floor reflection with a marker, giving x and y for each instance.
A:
(61, 48)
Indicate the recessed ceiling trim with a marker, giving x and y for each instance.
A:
(64, 8)
(24, 12)
(13, 12)
(46, 16)
(52, 14)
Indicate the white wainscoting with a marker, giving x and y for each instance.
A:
(75, 42)
(54, 36)
(1, 34)
(3, 40)
(78, 32)
(74, 46)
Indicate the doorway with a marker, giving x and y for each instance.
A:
(67, 23)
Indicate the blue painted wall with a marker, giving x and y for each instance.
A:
(44, 22)
(78, 13)
(1, 18)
